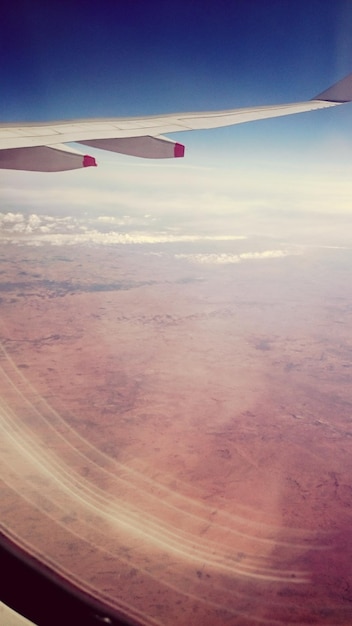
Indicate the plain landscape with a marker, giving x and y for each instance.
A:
(176, 431)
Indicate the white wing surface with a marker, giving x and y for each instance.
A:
(22, 145)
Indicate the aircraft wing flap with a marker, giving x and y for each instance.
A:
(56, 158)
(146, 146)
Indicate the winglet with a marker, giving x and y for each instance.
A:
(340, 92)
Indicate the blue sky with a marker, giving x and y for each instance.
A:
(67, 60)
(122, 57)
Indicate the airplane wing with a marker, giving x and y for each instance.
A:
(38, 146)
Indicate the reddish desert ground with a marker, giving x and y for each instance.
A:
(177, 438)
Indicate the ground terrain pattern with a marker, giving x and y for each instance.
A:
(176, 438)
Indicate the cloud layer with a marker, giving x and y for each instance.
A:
(37, 230)
(226, 259)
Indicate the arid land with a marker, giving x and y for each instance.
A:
(177, 438)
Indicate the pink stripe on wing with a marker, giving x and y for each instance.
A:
(179, 150)
(89, 161)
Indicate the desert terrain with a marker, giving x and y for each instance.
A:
(176, 438)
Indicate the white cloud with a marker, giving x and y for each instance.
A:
(225, 259)
(97, 237)
(11, 218)
(267, 254)
(37, 229)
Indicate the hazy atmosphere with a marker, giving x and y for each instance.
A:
(175, 381)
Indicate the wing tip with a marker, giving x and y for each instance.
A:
(339, 92)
